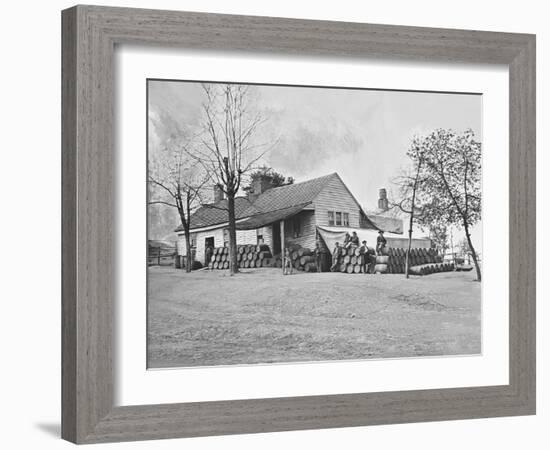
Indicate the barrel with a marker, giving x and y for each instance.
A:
(380, 268)
(353, 260)
(343, 267)
(349, 269)
(357, 268)
(382, 259)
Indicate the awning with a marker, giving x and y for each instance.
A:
(331, 235)
(262, 220)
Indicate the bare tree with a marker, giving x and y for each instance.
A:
(176, 181)
(228, 150)
(408, 185)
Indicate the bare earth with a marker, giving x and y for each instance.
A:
(260, 316)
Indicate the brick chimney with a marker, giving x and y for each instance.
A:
(260, 185)
(383, 200)
(218, 193)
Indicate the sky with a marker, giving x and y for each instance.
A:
(361, 134)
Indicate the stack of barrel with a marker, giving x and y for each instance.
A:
(248, 256)
(220, 258)
(422, 261)
(254, 256)
(349, 260)
(302, 258)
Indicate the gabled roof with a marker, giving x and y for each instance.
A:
(216, 213)
(275, 202)
(268, 218)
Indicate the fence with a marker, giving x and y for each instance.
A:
(161, 253)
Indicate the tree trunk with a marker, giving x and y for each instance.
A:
(233, 265)
(472, 251)
(411, 218)
(188, 255)
(408, 248)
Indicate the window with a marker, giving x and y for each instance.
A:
(259, 236)
(193, 241)
(225, 237)
(338, 218)
(345, 217)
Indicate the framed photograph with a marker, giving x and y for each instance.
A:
(277, 224)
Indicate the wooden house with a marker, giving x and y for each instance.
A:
(293, 212)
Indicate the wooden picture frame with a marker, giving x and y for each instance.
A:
(89, 37)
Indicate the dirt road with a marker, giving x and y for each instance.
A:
(261, 316)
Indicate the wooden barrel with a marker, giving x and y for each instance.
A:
(357, 251)
(297, 265)
(353, 260)
(381, 268)
(343, 267)
(258, 263)
(241, 249)
(382, 259)
(304, 252)
(357, 268)
(349, 269)
(347, 259)
(294, 255)
(250, 256)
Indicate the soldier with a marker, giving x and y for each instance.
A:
(287, 263)
(365, 257)
(380, 243)
(335, 255)
(318, 252)
(208, 254)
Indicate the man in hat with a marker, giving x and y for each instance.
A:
(365, 257)
(380, 243)
(335, 254)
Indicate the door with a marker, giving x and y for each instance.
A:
(208, 248)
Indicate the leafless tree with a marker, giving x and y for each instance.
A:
(227, 150)
(408, 184)
(176, 181)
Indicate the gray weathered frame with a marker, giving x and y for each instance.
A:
(89, 36)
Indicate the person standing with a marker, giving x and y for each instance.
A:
(318, 253)
(365, 257)
(335, 255)
(287, 263)
(208, 255)
(380, 243)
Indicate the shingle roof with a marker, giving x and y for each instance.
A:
(267, 218)
(216, 213)
(273, 200)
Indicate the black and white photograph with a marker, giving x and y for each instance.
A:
(308, 224)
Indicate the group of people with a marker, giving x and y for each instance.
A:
(367, 258)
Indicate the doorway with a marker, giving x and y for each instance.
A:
(276, 227)
(208, 248)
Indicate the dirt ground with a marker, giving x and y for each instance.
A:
(260, 316)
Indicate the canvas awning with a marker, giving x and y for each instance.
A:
(331, 235)
(265, 219)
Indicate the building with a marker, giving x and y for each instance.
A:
(300, 212)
